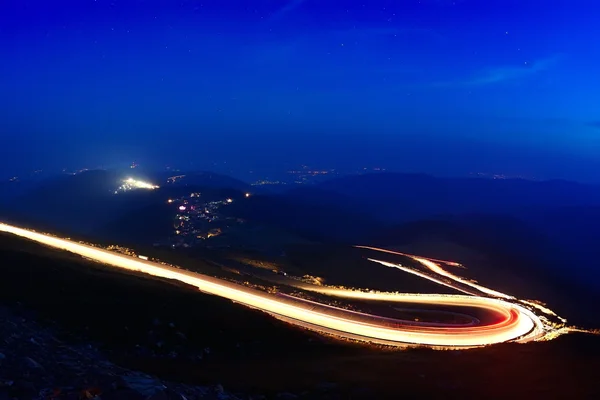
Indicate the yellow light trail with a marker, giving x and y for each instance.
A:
(516, 322)
(419, 274)
(440, 271)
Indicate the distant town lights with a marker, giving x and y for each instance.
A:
(131, 184)
(230, 200)
(140, 184)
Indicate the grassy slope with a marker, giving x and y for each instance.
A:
(273, 356)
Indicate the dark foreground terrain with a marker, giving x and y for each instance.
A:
(173, 332)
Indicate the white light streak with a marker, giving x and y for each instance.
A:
(515, 321)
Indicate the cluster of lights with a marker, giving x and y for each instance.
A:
(132, 184)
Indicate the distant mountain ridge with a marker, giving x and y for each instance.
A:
(86, 202)
(405, 197)
(553, 225)
(554, 222)
(324, 222)
(206, 179)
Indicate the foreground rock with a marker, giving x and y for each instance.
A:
(34, 364)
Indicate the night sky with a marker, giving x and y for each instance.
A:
(437, 86)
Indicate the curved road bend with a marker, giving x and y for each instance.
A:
(518, 323)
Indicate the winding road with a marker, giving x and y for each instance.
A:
(514, 320)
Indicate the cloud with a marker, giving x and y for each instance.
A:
(495, 75)
(501, 74)
(290, 6)
(365, 33)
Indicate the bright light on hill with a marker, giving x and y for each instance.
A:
(132, 184)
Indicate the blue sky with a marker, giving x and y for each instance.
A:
(445, 87)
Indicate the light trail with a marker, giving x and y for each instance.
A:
(436, 260)
(516, 323)
(428, 263)
(420, 274)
